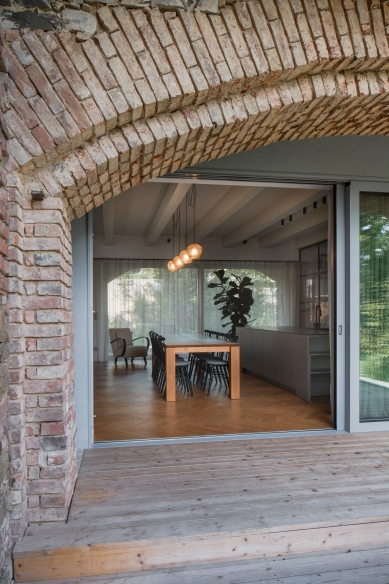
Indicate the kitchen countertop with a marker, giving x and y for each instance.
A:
(293, 330)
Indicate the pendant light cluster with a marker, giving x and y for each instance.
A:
(194, 250)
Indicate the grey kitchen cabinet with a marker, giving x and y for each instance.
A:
(292, 358)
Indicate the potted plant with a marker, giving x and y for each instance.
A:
(235, 298)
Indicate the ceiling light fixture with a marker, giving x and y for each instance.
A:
(192, 251)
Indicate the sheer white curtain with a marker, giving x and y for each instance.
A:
(142, 295)
(276, 292)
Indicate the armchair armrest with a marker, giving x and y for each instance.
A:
(147, 339)
(124, 345)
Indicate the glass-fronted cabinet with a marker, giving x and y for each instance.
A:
(314, 287)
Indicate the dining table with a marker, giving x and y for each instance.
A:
(200, 343)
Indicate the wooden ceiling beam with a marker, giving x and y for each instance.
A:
(292, 201)
(311, 238)
(229, 204)
(172, 197)
(305, 224)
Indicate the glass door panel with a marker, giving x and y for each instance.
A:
(374, 307)
(323, 253)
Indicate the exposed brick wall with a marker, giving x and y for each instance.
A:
(5, 539)
(41, 361)
(48, 383)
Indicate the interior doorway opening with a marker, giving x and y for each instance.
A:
(279, 236)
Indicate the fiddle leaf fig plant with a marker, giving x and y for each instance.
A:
(235, 298)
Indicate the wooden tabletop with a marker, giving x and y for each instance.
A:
(195, 340)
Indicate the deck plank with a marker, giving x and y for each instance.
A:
(343, 567)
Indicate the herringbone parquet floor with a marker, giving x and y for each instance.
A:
(128, 405)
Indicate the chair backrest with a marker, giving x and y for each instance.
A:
(123, 333)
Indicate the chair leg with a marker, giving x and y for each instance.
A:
(145, 360)
(210, 380)
(116, 361)
(126, 362)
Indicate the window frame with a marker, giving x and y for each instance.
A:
(352, 305)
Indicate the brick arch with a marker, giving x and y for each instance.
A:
(151, 93)
(154, 92)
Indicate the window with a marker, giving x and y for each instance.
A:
(147, 299)
(314, 287)
(374, 307)
(143, 296)
(275, 294)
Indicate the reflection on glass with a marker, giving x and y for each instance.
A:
(314, 287)
(374, 307)
(308, 260)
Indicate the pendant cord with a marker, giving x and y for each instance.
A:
(186, 222)
(194, 213)
(192, 203)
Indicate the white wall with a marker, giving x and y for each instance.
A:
(82, 321)
(133, 247)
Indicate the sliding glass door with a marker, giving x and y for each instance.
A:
(367, 306)
(374, 306)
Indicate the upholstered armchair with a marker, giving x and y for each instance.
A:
(122, 345)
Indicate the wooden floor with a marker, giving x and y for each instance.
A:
(247, 505)
(128, 405)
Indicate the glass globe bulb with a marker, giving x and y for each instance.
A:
(178, 262)
(194, 251)
(171, 266)
(185, 257)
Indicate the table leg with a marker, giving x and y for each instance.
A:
(235, 373)
(170, 394)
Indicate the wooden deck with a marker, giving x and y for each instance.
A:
(180, 509)
(128, 406)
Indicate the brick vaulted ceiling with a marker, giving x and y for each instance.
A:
(152, 92)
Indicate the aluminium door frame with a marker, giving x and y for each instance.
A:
(338, 348)
(352, 218)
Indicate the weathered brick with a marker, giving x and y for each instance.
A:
(43, 57)
(70, 74)
(45, 88)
